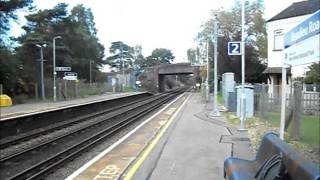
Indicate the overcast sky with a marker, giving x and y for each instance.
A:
(171, 24)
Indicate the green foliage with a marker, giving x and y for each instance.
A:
(229, 22)
(159, 56)
(313, 75)
(310, 126)
(128, 89)
(122, 55)
(8, 10)
(192, 55)
(78, 48)
(162, 56)
(9, 71)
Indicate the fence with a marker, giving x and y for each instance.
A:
(302, 120)
(266, 101)
(302, 116)
(65, 90)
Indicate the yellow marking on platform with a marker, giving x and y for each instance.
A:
(114, 162)
(151, 146)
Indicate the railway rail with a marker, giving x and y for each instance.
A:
(72, 138)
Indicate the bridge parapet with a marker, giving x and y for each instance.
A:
(170, 69)
(154, 80)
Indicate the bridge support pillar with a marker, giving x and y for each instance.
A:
(161, 83)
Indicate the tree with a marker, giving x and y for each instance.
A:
(84, 16)
(313, 75)
(78, 47)
(122, 55)
(9, 67)
(230, 27)
(8, 11)
(41, 27)
(82, 41)
(160, 56)
(140, 61)
(191, 53)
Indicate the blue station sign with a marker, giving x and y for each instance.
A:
(234, 48)
(306, 29)
(302, 43)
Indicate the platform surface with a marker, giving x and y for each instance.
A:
(21, 109)
(191, 148)
(179, 142)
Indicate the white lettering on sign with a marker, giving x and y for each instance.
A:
(63, 68)
(109, 172)
(314, 26)
(307, 51)
(303, 31)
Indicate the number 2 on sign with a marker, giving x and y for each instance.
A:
(235, 49)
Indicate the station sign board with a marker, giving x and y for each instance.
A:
(71, 76)
(301, 43)
(234, 48)
(63, 68)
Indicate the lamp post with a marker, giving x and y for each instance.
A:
(54, 68)
(243, 97)
(41, 65)
(208, 73)
(215, 112)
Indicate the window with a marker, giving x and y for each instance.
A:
(278, 40)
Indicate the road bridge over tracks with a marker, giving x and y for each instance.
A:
(154, 79)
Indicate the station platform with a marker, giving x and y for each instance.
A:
(180, 141)
(28, 108)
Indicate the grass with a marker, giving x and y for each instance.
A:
(84, 92)
(309, 130)
(219, 97)
(128, 89)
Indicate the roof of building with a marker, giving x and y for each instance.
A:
(298, 9)
(275, 70)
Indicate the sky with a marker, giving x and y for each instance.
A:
(170, 24)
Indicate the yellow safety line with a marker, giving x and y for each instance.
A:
(153, 143)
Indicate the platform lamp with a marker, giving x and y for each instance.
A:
(54, 68)
(41, 46)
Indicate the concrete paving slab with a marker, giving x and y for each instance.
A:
(191, 148)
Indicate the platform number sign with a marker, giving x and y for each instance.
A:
(234, 48)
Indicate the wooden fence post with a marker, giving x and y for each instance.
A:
(297, 114)
(263, 100)
(36, 91)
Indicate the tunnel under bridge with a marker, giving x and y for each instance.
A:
(154, 77)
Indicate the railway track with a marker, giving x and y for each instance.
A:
(75, 138)
(73, 121)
